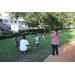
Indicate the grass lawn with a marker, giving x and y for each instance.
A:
(9, 52)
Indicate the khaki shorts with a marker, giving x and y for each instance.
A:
(28, 47)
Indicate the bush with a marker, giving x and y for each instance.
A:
(26, 33)
(29, 30)
(16, 34)
(21, 31)
(6, 32)
(9, 36)
(34, 33)
(47, 31)
(2, 37)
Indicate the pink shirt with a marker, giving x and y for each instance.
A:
(54, 40)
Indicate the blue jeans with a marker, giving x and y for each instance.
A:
(54, 47)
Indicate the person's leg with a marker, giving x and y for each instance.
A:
(16, 44)
(53, 47)
(36, 45)
(29, 47)
(56, 49)
(43, 36)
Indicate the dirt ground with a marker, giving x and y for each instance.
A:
(66, 54)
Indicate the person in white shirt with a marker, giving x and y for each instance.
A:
(24, 45)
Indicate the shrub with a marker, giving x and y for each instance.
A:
(29, 30)
(26, 33)
(16, 34)
(2, 37)
(47, 31)
(6, 32)
(34, 33)
(21, 31)
(9, 36)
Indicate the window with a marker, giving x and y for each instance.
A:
(7, 20)
(19, 21)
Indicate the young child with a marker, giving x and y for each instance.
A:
(43, 35)
(37, 40)
(16, 41)
(51, 32)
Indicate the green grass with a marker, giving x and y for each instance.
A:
(9, 52)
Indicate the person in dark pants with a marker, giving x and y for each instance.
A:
(16, 41)
(55, 41)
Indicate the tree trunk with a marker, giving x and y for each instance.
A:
(61, 26)
(68, 25)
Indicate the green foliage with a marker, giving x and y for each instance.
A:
(16, 34)
(25, 33)
(54, 19)
(9, 36)
(6, 32)
(2, 37)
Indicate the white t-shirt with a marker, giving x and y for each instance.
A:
(23, 45)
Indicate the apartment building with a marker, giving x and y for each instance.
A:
(6, 23)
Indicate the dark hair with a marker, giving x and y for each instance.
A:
(35, 34)
(56, 30)
(24, 37)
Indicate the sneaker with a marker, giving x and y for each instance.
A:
(34, 47)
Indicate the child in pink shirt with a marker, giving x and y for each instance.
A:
(44, 35)
(55, 41)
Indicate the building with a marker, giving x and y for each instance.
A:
(6, 23)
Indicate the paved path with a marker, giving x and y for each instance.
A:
(66, 54)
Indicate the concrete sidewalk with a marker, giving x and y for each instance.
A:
(66, 54)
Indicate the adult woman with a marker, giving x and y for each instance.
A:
(55, 41)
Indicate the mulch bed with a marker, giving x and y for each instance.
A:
(66, 54)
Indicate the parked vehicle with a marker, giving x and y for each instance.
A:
(4, 29)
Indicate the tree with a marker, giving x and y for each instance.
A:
(54, 19)
(0, 14)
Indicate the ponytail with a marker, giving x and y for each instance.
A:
(56, 31)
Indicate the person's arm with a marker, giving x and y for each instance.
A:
(35, 39)
(39, 37)
(51, 36)
(27, 43)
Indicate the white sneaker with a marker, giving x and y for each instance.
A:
(34, 47)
